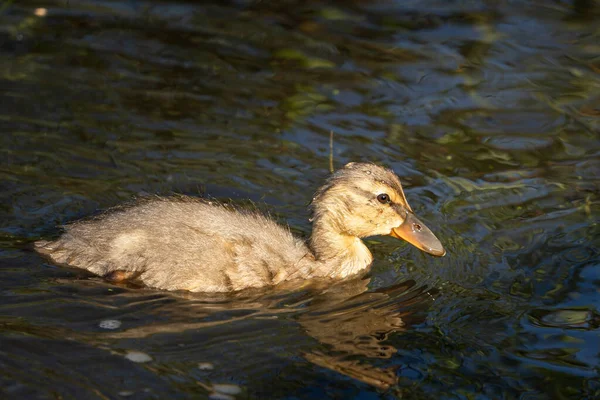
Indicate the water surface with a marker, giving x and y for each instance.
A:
(487, 110)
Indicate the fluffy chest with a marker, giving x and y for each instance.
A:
(357, 259)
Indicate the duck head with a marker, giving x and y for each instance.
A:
(363, 199)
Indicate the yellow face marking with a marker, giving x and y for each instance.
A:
(400, 198)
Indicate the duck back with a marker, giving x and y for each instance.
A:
(183, 243)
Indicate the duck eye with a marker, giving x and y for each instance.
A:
(383, 198)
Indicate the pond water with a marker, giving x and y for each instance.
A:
(488, 111)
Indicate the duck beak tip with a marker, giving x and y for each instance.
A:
(416, 233)
(437, 252)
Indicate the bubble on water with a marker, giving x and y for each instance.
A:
(220, 396)
(138, 357)
(226, 388)
(206, 366)
(110, 324)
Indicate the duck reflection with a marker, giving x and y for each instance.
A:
(356, 324)
(352, 322)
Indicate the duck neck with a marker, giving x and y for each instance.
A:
(338, 255)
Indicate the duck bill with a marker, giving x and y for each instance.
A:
(416, 233)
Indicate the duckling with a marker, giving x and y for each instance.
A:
(185, 243)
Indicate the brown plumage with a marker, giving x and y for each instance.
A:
(184, 243)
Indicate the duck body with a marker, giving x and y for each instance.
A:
(185, 243)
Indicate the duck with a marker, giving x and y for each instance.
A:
(193, 244)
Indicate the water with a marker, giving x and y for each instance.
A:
(487, 110)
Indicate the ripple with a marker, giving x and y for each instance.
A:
(565, 318)
(514, 122)
(578, 254)
(518, 143)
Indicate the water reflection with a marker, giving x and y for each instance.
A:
(359, 325)
(487, 110)
(346, 318)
